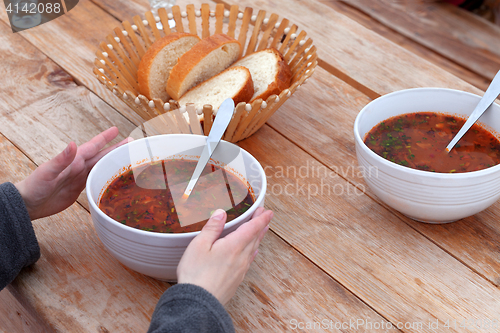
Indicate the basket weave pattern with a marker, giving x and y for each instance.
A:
(119, 56)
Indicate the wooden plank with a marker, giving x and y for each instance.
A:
(478, 80)
(471, 240)
(74, 49)
(16, 318)
(52, 122)
(322, 124)
(49, 107)
(77, 286)
(386, 263)
(453, 32)
(125, 10)
(283, 288)
(357, 55)
(33, 72)
(373, 292)
(64, 246)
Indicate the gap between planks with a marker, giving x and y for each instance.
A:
(34, 163)
(330, 68)
(467, 18)
(80, 84)
(480, 81)
(321, 268)
(77, 82)
(390, 210)
(105, 9)
(327, 67)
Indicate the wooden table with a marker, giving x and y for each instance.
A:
(338, 261)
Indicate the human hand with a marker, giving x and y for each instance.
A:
(55, 185)
(219, 265)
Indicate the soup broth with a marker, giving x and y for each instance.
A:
(418, 140)
(149, 197)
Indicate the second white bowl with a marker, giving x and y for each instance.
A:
(422, 195)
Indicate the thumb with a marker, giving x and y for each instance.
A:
(213, 229)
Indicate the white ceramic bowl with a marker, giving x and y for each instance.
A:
(158, 254)
(422, 195)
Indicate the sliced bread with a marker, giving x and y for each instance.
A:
(234, 82)
(270, 73)
(156, 64)
(204, 60)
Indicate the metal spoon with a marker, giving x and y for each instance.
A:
(222, 119)
(489, 97)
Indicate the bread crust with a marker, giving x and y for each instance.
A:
(192, 57)
(148, 58)
(282, 81)
(243, 95)
(247, 91)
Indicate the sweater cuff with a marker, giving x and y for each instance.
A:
(18, 242)
(200, 308)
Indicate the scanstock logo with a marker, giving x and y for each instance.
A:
(27, 14)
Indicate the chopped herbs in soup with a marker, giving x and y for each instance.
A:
(418, 141)
(149, 197)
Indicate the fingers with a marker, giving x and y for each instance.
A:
(258, 212)
(50, 170)
(251, 233)
(213, 229)
(89, 149)
(262, 233)
(254, 255)
(90, 163)
(254, 244)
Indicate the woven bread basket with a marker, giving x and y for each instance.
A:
(119, 56)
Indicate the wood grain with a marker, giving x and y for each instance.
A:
(350, 255)
(453, 32)
(17, 318)
(374, 254)
(372, 64)
(283, 288)
(472, 240)
(73, 49)
(26, 71)
(480, 81)
(48, 105)
(126, 9)
(77, 286)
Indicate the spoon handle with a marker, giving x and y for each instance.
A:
(489, 97)
(222, 120)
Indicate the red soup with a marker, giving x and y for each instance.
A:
(418, 141)
(149, 197)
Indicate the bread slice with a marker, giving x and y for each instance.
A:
(234, 82)
(156, 64)
(207, 58)
(270, 73)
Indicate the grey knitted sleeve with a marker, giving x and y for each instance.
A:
(188, 308)
(18, 245)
